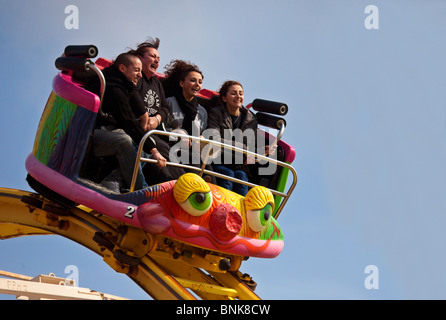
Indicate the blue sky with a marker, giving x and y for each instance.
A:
(367, 119)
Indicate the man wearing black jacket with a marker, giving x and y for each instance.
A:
(120, 134)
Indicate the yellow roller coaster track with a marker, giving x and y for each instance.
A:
(165, 269)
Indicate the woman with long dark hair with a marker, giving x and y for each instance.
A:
(182, 84)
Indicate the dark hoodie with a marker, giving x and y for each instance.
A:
(152, 93)
(123, 102)
(220, 119)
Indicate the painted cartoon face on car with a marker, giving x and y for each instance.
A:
(212, 217)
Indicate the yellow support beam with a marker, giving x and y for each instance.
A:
(159, 274)
(208, 288)
(231, 281)
(168, 284)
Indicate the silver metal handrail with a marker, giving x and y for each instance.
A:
(102, 89)
(202, 170)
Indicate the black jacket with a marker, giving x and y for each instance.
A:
(219, 118)
(123, 102)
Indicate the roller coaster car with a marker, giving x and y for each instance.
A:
(189, 210)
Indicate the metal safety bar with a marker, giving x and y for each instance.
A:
(202, 170)
(103, 86)
(280, 134)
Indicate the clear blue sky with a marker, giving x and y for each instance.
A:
(367, 119)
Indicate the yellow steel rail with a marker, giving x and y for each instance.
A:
(126, 249)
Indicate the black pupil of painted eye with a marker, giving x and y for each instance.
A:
(266, 215)
(200, 197)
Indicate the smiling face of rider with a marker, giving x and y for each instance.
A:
(234, 99)
(191, 85)
(150, 61)
(133, 71)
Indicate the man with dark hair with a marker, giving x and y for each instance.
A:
(120, 134)
(157, 107)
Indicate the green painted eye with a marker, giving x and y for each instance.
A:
(257, 219)
(198, 203)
